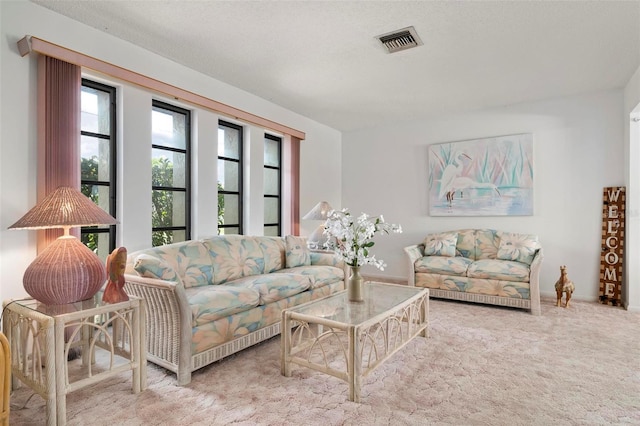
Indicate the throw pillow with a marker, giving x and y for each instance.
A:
(519, 247)
(442, 244)
(297, 252)
(153, 267)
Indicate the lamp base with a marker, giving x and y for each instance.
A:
(317, 238)
(65, 272)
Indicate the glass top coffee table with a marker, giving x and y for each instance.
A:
(349, 340)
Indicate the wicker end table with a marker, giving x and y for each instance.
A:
(41, 337)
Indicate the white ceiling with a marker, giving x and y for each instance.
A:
(322, 60)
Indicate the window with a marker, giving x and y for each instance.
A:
(98, 160)
(272, 184)
(170, 174)
(229, 178)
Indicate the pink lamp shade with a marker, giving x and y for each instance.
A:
(66, 271)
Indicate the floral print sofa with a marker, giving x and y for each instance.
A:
(206, 299)
(479, 265)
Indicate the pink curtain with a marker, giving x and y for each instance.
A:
(59, 85)
(291, 185)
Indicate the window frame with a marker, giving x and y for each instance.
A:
(187, 153)
(113, 162)
(240, 162)
(279, 169)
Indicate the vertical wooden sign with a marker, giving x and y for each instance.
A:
(611, 257)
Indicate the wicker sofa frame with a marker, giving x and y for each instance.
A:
(169, 330)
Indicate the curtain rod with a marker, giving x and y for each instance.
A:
(34, 44)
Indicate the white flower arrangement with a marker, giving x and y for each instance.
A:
(352, 238)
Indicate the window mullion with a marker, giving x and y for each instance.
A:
(98, 164)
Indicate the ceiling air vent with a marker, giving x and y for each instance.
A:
(398, 40)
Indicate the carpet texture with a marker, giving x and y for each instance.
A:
(482, 365)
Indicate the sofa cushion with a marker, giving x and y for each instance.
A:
(189, 260)
(518, 247)
(297, 252)
(319, 275)
(273, 251)
(442, 282)
(466, 246)
(273, 287)
(443, 265)
(234, 256)
(499, 288)
(209, 303)
(487, 242)
(504, 270)
(441, 244)
(224, 329)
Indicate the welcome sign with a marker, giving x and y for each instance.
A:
(613, 218)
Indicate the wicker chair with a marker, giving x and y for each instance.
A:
(5, 378)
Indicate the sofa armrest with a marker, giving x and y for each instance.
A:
(168, 322)
(325, 257)
(329, 258)
(414, 253)
(534, 281)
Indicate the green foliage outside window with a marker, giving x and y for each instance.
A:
(89, 171)
(162, 210)
(162, 175)
(162, 201)
(220, 206)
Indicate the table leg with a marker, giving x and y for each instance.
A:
(354, 365)
(135, 349)
(285, 347)
(49, 345)
(425, 317)
(8, 332)
(60, 407)
(142, 336)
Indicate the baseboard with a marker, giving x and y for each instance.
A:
(632, 308)
(553, 295)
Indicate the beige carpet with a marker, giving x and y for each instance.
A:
(481, 366)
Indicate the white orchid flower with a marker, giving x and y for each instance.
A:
(352, 240)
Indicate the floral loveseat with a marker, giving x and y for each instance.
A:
(209, 298)
(479, 265)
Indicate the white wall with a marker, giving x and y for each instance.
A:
(320, 152)
(578, 150)
(632, 181)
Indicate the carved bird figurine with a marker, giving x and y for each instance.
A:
(116, 263)
(564, 285)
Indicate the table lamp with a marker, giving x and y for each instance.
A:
(319, 212)
(66, 271)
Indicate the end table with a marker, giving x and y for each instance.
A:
(41, 336)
